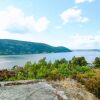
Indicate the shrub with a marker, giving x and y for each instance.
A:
(20, 76)
(91, 80)
(55, 75)
(93, 85)
(82, 69)
(97, 62)
(78, 61)
(43, 72)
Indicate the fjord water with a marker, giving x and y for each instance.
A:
(8, 61)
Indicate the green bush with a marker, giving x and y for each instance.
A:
(78, 61)
(97, 62)
(82, 69)
(55, 75)
(20, 76)
(43, 72)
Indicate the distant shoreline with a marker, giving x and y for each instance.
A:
(87, 50)
(33, 53)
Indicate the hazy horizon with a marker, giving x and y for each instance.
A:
(70, 23)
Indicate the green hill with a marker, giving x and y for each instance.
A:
(11, 47)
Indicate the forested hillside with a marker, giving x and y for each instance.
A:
(10, 47)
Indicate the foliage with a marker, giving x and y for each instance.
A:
(79, 61)
(82, 69)
(93, 85)
(55, 75)
(97, 62)
(91, 80)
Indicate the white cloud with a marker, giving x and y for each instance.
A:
(25, 37)
(15, 17)
(41, 24)
(84, 19)
(73, 14)
(58, 27)
(84, 42)
(82, 1)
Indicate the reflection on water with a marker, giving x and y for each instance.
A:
(11, 60)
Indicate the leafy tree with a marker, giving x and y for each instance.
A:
(78, 61)
(97, 62)
(42, 61)
(28, 64)
(61, 61)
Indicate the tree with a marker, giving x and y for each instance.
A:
(79, 61)
(42, 61)
(28, 64)
(97, 62)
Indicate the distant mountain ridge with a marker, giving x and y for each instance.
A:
(87, 50)
(12, 47)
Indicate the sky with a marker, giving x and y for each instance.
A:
(70, 23)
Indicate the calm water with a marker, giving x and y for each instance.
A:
(11, 60)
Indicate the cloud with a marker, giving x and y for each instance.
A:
(58, 27)
(17, 29)
(84, 42)
(14, 20)
(73, 14)
(82, 1)
(42, 24)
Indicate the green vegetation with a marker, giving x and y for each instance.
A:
(77, 68)
(11, 47)
(97, 62)
(91, 80)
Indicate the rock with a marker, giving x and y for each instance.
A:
(24, 82)
(36, 91)
(73, 90)
(61, 95)
(42, 90)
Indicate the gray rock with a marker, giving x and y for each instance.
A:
(37, 91)
(42, 90)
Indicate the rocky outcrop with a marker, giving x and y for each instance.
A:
(73, 90)
(43, 90)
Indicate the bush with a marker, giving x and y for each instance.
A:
(97, 62)
(91, 80)
(93, 85)
(78, 61)
(43, 72)
(20, 76)
(82, 69)
(55, 75)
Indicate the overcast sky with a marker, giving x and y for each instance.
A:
(71, 23)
